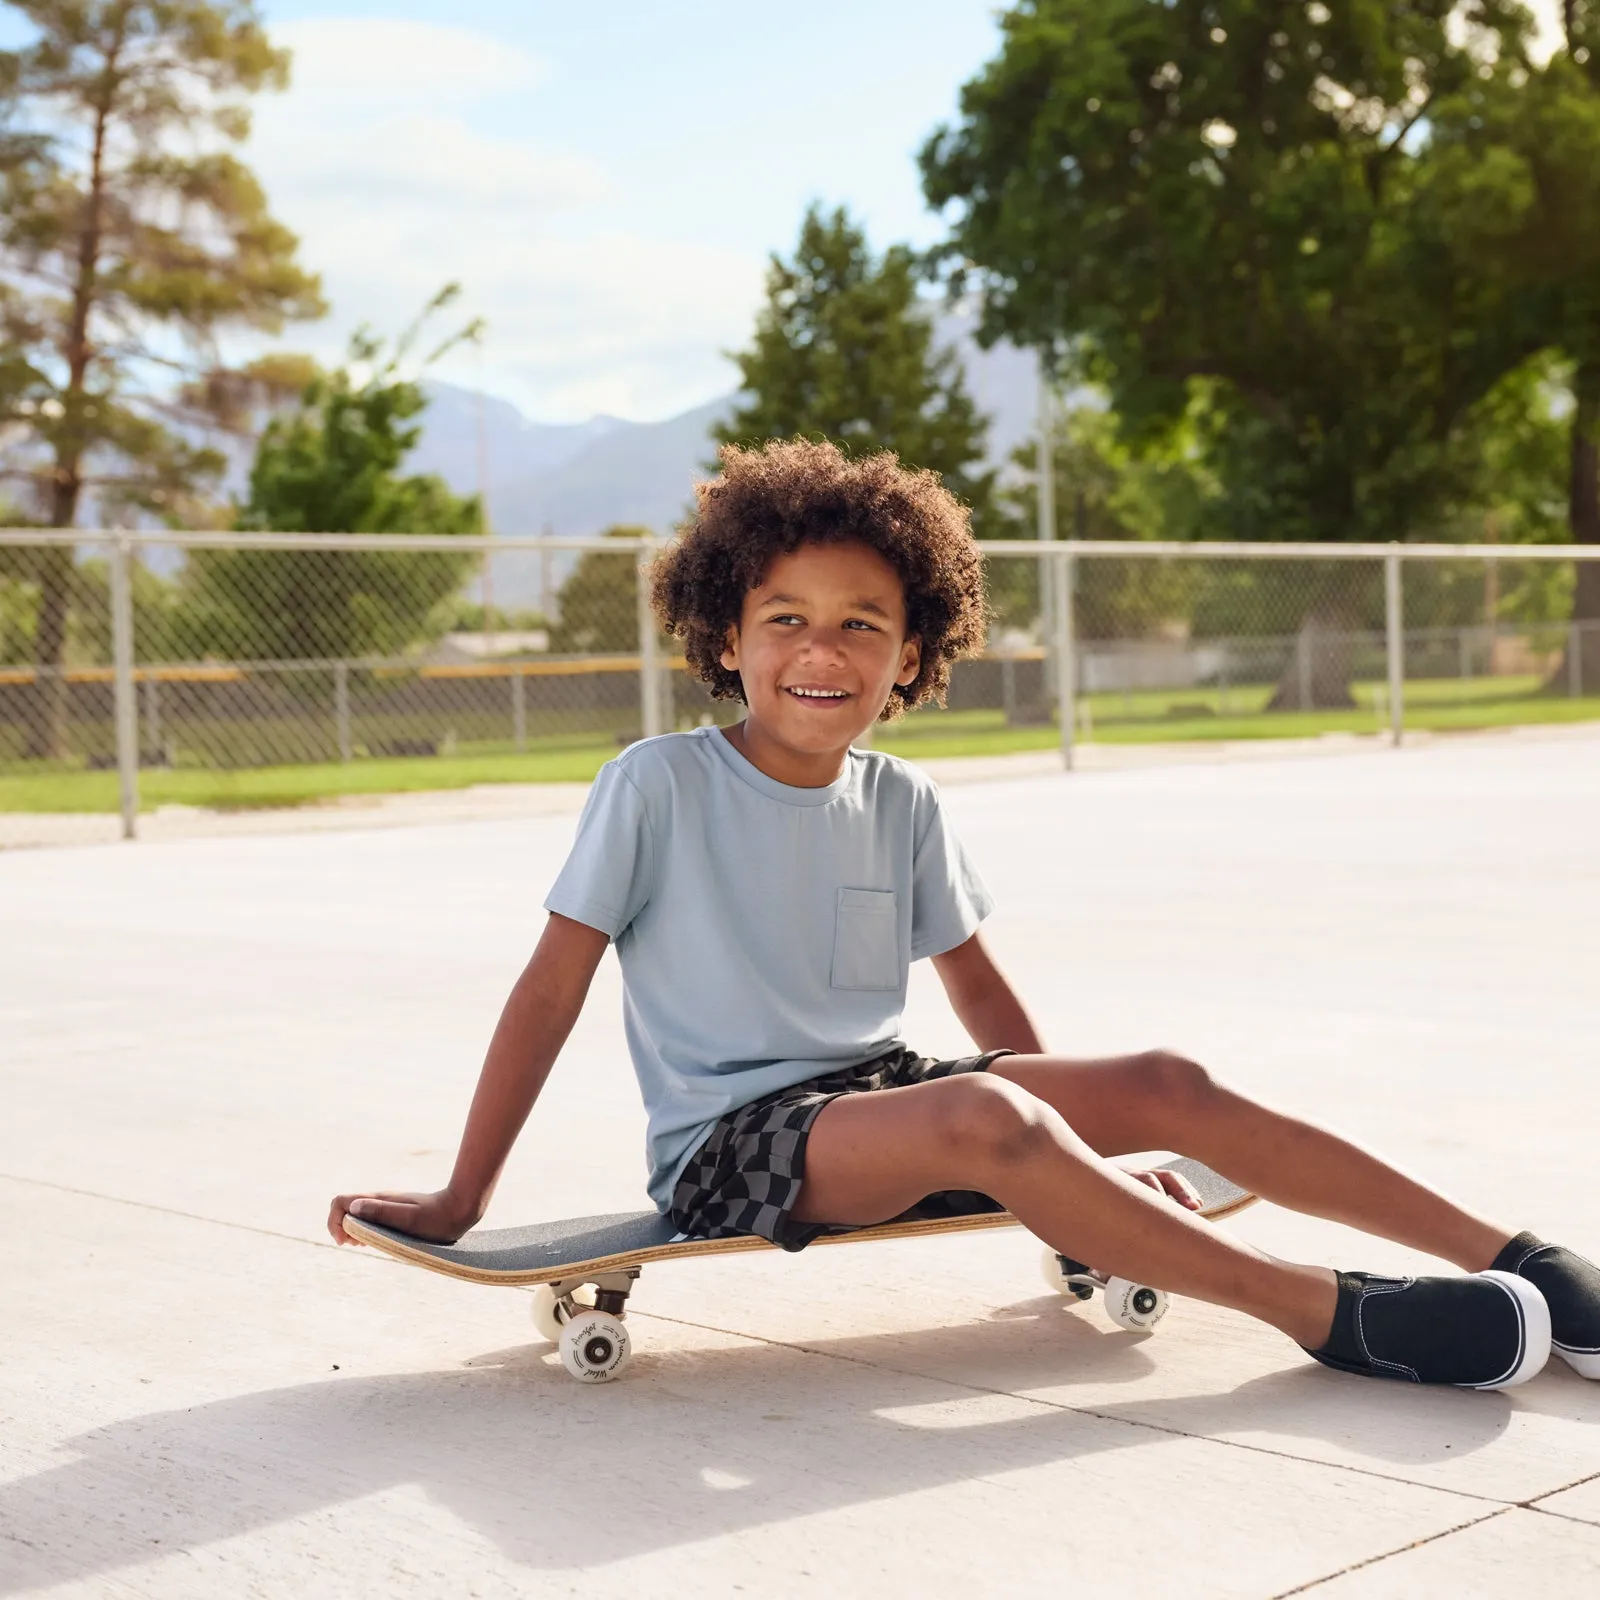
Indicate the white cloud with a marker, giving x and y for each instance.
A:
(374, 159)
(356, 64)
(420, 158)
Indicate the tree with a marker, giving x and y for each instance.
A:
(598, 604)
(844, 350)
(1106, 490)
(332, 465)
(1516, 175)
(1228, 192)
(130, 237)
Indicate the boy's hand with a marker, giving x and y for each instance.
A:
(1172, 1184)
(440, 1217)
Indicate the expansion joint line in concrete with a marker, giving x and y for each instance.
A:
(1530, 1504)
(167, 1211)
(1389, 1555)
(1533, 1503)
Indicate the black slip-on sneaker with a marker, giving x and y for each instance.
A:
(1571, 1288)
(1487, 1331)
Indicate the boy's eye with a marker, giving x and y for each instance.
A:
(789, 619)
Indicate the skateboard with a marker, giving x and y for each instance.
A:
(582, 1270)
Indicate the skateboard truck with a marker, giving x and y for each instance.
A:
(1074, 1278)
(590, 1334)
(1135, 1306)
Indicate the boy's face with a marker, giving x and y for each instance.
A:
(820, 645)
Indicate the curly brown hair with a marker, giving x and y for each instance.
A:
(770, 501)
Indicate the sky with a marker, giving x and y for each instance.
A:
(606, 183)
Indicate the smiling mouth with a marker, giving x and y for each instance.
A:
(822, 697)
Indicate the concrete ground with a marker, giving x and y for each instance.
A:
(202, 1039)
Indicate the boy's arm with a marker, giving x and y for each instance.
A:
(984, 1001)
(543, 1005)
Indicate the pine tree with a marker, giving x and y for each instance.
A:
(844, 350)
(130, 238)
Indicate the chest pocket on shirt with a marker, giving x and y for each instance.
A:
(866, 940)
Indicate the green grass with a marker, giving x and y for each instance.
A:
(301, 785)
(1144, 717)
(1168, 716)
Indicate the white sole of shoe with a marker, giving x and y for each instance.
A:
(1586, 1363)
(1534, 1316)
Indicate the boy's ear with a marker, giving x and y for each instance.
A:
(730, 650)
(910, 662)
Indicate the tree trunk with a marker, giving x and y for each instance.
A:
(1583, 515)
(1583, 503)
(47, 734)
(1317, 675)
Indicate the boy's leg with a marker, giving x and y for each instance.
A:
(1161, 1101)
(871, 1156)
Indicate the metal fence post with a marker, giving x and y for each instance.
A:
(124, 701)
(1394, 646)
(519, 709)
(1066, 646)
(1575, 660)
(341, 708)
(1046, 520)
(650, 694)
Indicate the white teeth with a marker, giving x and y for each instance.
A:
(819, 694)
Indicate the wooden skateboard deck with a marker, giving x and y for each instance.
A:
(547, 1252)
(582, 1270)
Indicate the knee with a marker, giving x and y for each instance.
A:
(1172, 1082)
(986, 1124)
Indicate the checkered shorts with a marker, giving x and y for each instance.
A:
(746, 1177)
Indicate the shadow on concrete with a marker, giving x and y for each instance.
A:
(1301, 1410)
(691, 1445)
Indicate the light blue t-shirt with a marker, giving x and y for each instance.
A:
(764, 931)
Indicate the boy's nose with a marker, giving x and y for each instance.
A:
(820, 647)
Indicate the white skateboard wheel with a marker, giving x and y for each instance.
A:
(550, 1315)
(595, 1346)
(1134, 1306)
(1063, 1282)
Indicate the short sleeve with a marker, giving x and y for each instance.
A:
(948, 898)
(607, 878)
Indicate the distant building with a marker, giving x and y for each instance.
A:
(462, 649)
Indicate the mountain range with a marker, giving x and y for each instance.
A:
(580, 478)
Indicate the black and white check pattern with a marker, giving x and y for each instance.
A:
(746, 1177)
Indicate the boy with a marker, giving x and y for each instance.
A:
(767, 886)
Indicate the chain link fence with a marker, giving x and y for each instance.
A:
(140, 671)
